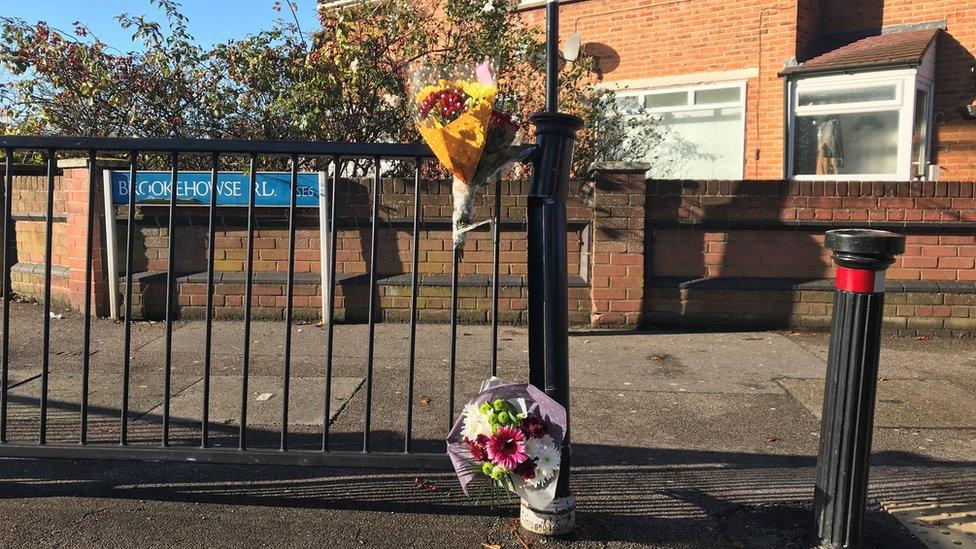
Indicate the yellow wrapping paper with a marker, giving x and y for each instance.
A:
(458, 145)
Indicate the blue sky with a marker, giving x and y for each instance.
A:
(211, 21)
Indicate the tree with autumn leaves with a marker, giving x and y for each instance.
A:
(344, 82)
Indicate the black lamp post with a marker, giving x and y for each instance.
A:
(547, 273)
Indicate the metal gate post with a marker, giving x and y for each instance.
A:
(548, 311)
(862, 256)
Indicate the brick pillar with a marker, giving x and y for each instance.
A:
(75, 182)
(617, 271)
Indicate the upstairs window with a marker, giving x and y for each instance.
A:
(702, 130)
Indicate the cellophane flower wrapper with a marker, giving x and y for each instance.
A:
(540, 448)
(460, 116)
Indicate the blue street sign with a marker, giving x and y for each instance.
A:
(271, 189)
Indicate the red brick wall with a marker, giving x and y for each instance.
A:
(923, 210)
(395, 238)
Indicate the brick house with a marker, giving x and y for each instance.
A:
(741, 85)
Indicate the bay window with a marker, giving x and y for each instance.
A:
(860, 126)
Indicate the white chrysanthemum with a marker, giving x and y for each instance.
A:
(537, 446)
(548, 459)
(542, 477)
(475, 422)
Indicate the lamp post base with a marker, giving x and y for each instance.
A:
(556, 519)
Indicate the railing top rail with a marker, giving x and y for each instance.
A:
(226, 146)
(229, 146)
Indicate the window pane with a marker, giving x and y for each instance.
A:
(721, 95)
(855, 143)
(671, 99)
(627, 104)
(701, 144)
(859, 95)
(920, 134)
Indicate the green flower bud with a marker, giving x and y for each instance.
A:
(503, 418)
(492, 418)
(498, 472)
(486, 469)
(499, 405)
(485, 408)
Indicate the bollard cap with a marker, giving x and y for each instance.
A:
(869, 242)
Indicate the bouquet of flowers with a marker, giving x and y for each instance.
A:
(461, 117)
(512, 436)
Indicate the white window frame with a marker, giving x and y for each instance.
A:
(690, 105)
(906, 82)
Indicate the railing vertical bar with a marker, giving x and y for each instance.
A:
(414, 288)
(496, 245)
(127, 338)
(248, 283)
(7, 226)
(330, 304)
(208, 329)
(52, 167)
(454, 323)
(372, 303)
(289, 294)
(170, 294)
(86, 337)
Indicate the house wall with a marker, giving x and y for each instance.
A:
(641, 39)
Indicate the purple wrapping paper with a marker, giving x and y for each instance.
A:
(535, 402)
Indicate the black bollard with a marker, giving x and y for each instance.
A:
(862, 257)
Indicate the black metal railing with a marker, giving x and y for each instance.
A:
(334, 154)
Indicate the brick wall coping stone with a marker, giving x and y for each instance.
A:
(909, 227)
(82, 162)
(806, 284)
(57, 271)
(504, 281)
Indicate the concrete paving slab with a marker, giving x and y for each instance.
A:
(305, 405)
(728, 363)
(902, 403)
(938, 526)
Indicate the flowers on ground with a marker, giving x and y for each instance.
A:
(504, 435)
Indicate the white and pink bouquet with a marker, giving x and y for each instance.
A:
(512, 436)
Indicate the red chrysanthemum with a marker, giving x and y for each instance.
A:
(507, 447)
(477, 448)
(534, 427)
(526, 469)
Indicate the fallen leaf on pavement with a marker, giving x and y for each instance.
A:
(490, 546)
(424, 400)
(772, 440)
(320, 324)
(921, 338)
(657, 357)
(424, 485)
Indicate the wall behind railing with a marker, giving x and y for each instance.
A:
(751, 252)
(652, 253)
(395, 251)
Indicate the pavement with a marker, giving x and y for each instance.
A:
(680, 440)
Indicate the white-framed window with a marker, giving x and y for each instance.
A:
(860, 126)
(702, 129)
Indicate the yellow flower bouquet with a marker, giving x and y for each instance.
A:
(458, 115)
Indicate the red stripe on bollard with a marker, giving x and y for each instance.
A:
(860, 281)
